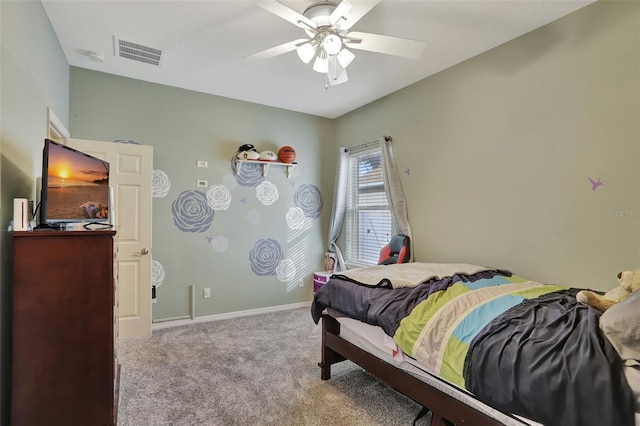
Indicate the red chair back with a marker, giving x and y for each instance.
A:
(397, 251)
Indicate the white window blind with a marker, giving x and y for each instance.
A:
(368, 216)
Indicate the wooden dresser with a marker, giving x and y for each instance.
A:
(64, 355)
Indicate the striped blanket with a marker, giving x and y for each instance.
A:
(520, 346)
(439, 330)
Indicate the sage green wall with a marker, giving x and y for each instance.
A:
(499, 150)
(34, 75)
(184, 127)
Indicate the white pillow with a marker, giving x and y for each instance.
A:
(621, 324)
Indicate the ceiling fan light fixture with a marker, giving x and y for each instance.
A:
(321, 63)
(332, 44)
(306, 52)
(345, 57)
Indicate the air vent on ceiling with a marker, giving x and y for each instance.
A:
(137, 52)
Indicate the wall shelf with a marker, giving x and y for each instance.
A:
(266, 164)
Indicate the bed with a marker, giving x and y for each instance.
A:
(483, 346)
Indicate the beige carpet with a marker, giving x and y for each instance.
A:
(256, 370)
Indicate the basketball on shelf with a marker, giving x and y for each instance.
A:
(287, 154)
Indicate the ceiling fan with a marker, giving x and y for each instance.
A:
(327, 26)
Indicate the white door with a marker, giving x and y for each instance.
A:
(130, 176)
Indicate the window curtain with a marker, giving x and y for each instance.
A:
(339, 208)
(395, 194)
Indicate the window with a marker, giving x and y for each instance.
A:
(368, 220)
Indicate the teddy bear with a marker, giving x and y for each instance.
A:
(629, 282)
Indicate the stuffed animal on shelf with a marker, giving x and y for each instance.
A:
(629, 282)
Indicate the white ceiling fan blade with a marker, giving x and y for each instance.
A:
(286, 13)
(277, 50)
(385, 44)
(358, 10)
(340, 12)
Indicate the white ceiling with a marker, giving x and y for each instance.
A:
(204, 43)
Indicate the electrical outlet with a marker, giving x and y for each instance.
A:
(300, 282)
(206, 293)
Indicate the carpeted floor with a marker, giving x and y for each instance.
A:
(255, 370)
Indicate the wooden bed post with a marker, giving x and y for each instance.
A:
(328, 356)
(436, 420)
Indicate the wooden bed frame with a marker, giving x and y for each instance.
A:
(336, 349)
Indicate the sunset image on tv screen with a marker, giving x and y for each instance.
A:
(77, 185)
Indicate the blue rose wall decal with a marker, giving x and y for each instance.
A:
(192, 212)
(265, 256)
(309, 199)
(248, 174)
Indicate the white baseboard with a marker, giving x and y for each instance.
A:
(228, 315)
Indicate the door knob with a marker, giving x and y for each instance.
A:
(144, 251)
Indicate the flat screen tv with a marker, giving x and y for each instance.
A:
(75, 187)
